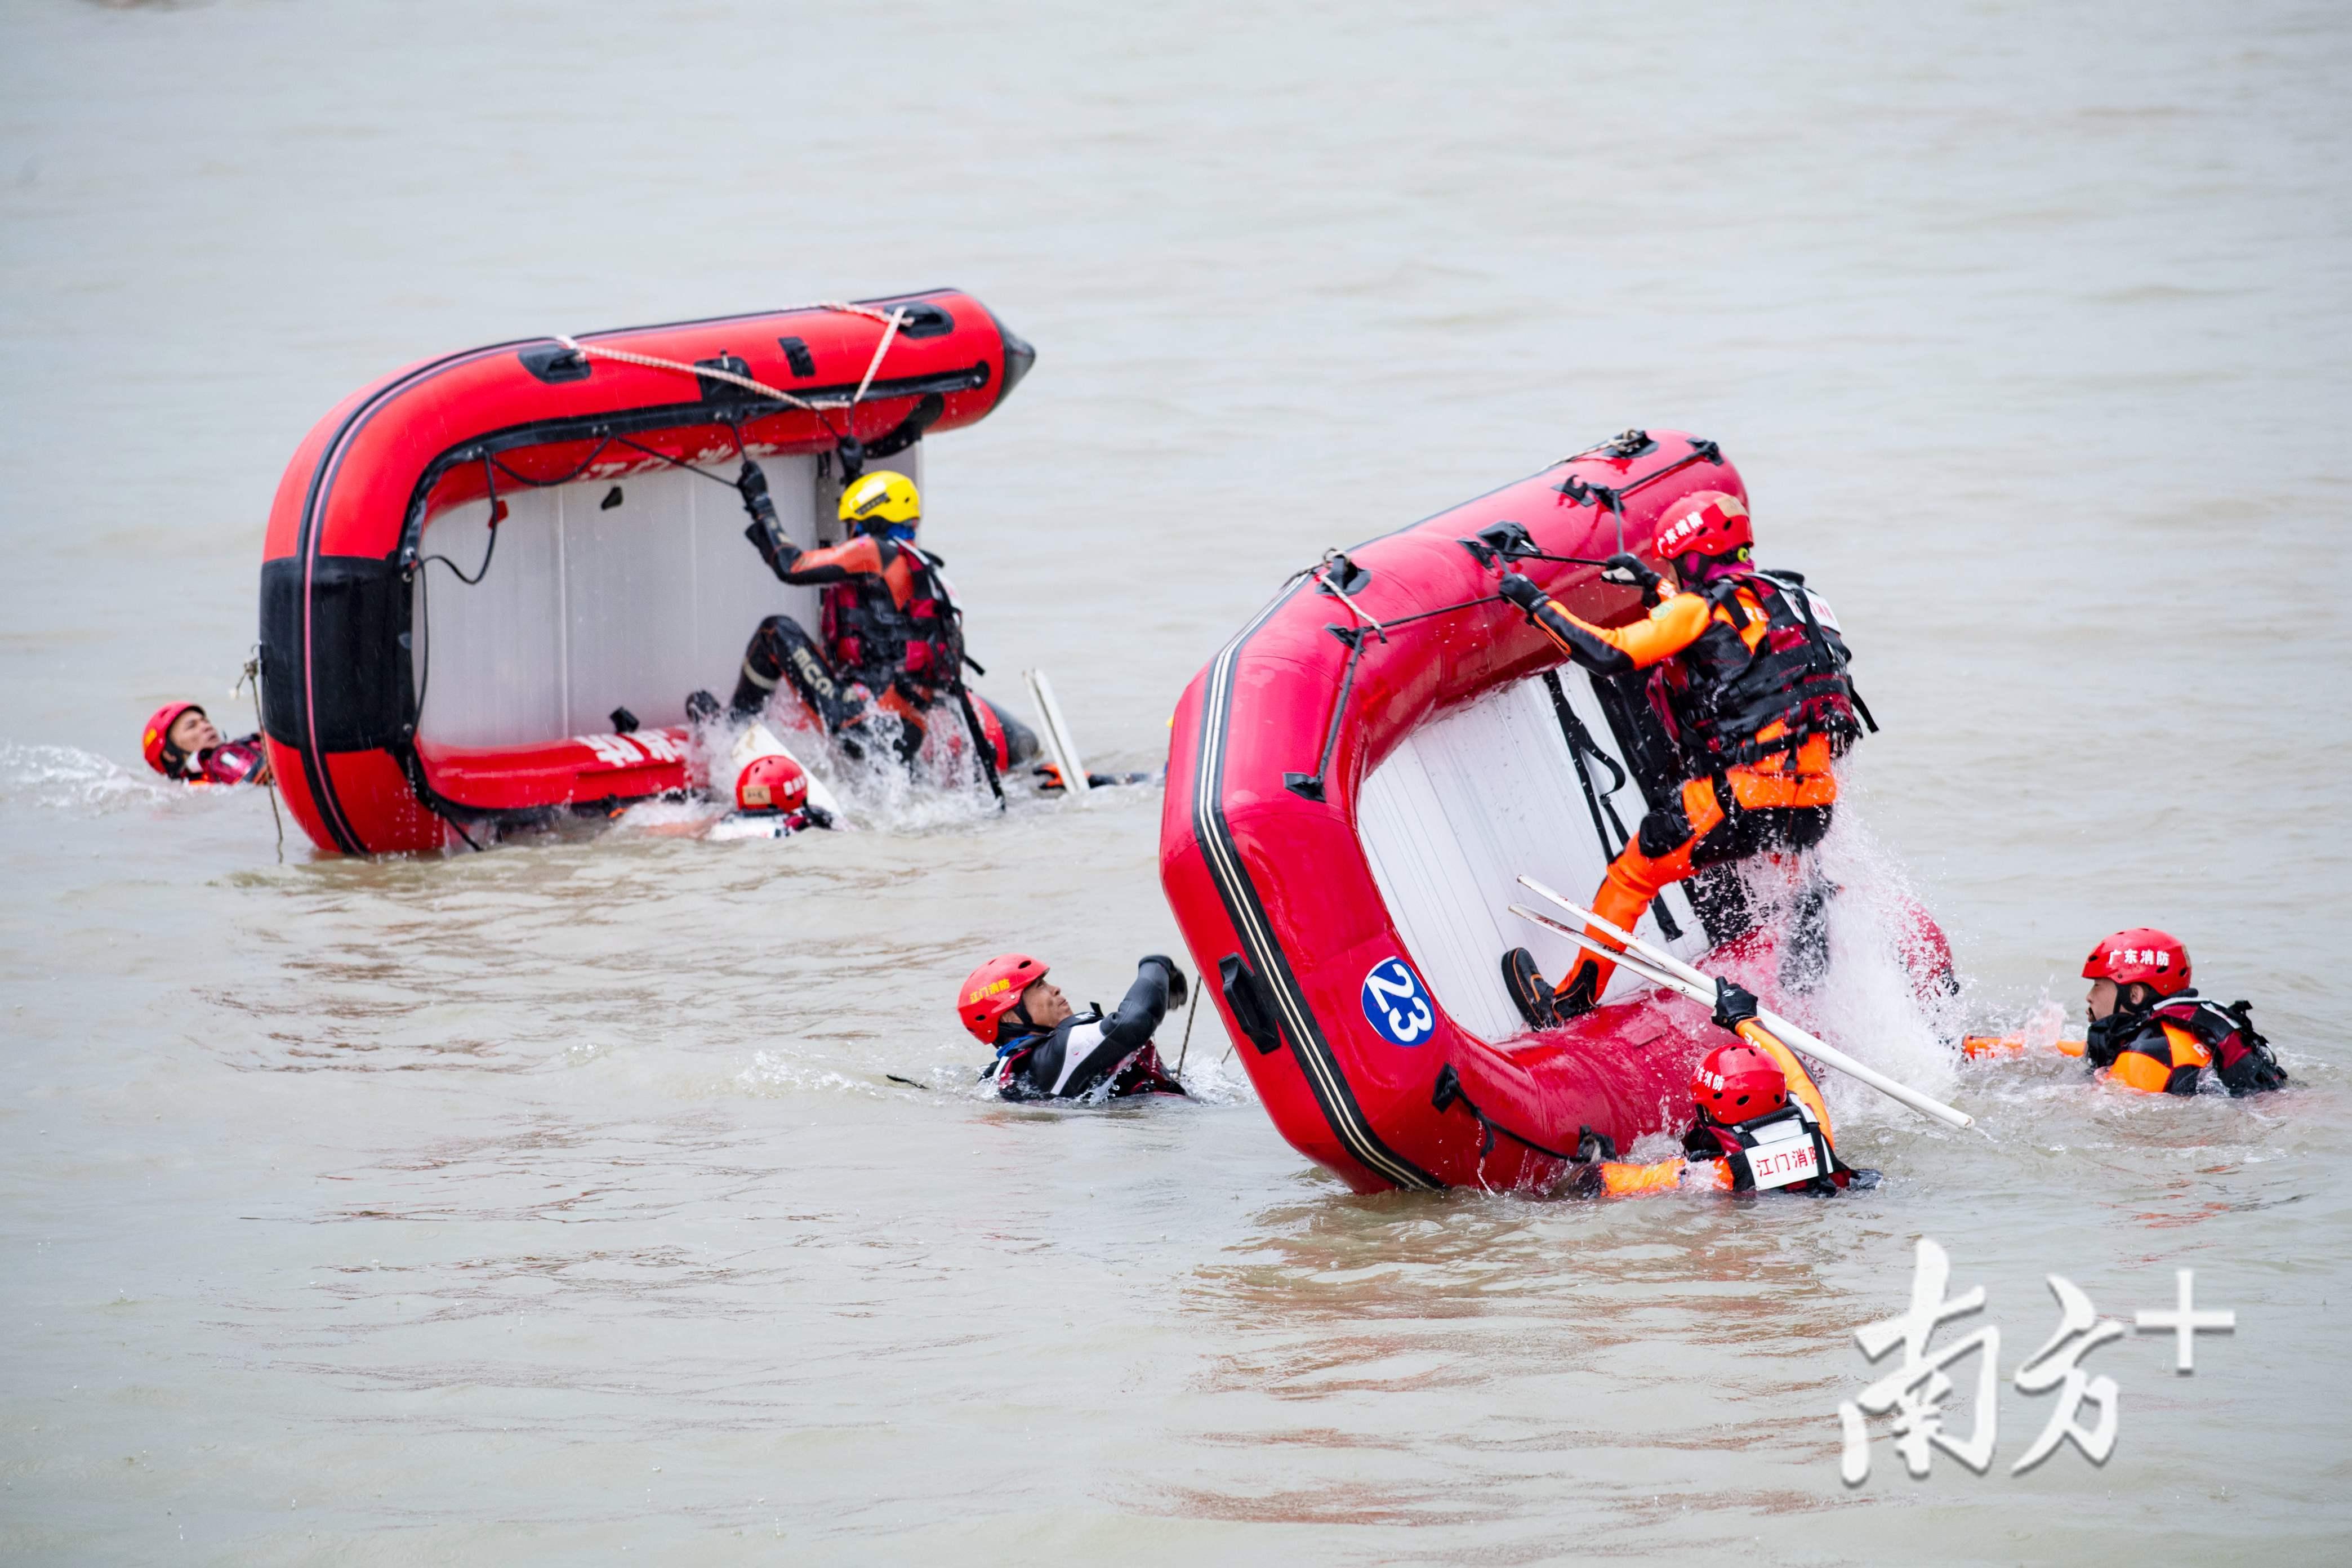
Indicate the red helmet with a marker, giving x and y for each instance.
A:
(2145, 954)
(772, 784)
(155, 741)
(993, 990)
(1708, 522)
(1737, 1083)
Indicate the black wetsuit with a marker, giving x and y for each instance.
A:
(1081, 1053)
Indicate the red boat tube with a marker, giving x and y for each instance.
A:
(491, 579)
(1354, 784)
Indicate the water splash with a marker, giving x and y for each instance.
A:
(1861, 964)
(770, 1074)
(943, 788)
(69, 779)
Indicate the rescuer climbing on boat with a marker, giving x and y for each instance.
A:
(1046, 1050)
(1750, 1132)
(2151, 1031)
(893, 638)
(1750, 673)
(182, 742)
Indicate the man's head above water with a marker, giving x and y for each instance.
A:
(178, 734)
(1042, 1005)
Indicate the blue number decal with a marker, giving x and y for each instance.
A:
(1396, 1006)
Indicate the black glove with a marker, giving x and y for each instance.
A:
(1176, 987)
(1733, 1006)
(752, 485)
(1521, 590)
(766, 537)
(1627, 568)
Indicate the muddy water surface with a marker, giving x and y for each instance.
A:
(556, 1205)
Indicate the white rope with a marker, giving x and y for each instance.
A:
(650, 362)
(891, 319)
(879, 350)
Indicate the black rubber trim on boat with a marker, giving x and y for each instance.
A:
(315, 774)
(1222, 856)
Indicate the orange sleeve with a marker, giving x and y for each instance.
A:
(1620, 1180)
(858, 555)
(1613, 650)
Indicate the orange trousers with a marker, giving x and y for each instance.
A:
(1769, 813)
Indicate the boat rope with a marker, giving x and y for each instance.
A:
(677, 462)
(1355, 609)
(1581, 745)
(897, 318)
(1449, 1092)
(1190, 1009)
(891, 321)
(252, 676)
(578, 468)
(654, 361)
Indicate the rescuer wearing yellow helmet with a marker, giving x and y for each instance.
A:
(893, 638)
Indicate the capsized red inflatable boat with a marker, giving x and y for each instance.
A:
(1355, 784)
(552, 672)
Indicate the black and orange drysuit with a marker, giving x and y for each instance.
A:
(1753, 684)
(2165, 1049)
(892, 641)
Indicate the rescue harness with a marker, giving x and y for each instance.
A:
(2242, 1058)
(1735, 705)
(1771, 1151)
(868, 630)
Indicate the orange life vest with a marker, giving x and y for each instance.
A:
(2165, 1050)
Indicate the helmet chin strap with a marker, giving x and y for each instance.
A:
(1706, 568)
(1016, 1013)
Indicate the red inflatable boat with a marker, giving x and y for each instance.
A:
(492, 579)
(1355, 784)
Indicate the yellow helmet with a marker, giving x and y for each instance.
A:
(881, 499)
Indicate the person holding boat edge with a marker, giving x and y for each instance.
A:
(1749, 671)
(892, 637)
(1749, 1133)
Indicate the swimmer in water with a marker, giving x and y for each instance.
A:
(2151, 1031)
(1047, 1049)
(1749, 1132)
(181, 742)
(773, 792)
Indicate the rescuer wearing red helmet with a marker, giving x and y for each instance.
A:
(893, 634)
(777, 788)
(181, 742)
(1048, 1050)
(1749, 671)
(1749, 1132)
(2151, 1031)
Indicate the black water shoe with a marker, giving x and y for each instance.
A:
(1528, 993)
(1580, 994)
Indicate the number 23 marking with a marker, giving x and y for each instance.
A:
(1403, 1027)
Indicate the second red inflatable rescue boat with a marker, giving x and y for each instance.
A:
(1355, 785)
